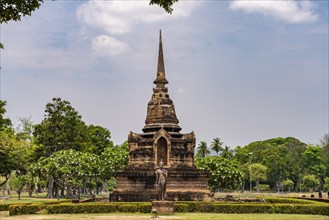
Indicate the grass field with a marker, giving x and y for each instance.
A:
(178, 216)
(4, 215)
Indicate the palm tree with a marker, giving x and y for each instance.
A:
(227, 153)
(216, 145)
(203, 149)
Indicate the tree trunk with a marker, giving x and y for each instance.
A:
(105, 186)
(68, 191)
(36, 188)
(8, 188)
(29, 189)
(62, 192)
(257, 185)
(56, 190)
(50, 187)
(84, 187)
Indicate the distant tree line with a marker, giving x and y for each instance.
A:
(278, 164)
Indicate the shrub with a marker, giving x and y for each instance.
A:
(287, 200)
(204, 207)
(128, 208)
(25, 209)
(242, 208)
(302, 209)
(181, 207)
(4, 207)
(81, 208)
(145, 208)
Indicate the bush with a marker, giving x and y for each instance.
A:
(128, 208)
(25, 209)
(181, 207)
(276, 205)
(82, 208)
(287, 200)
(4, 207)
(302, 209)
(264, 187)
(145, 208)
(205, 207)
(242, 208)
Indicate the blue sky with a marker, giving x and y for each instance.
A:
(239, 70)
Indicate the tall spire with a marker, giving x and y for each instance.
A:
(160, 109)
(161, 80)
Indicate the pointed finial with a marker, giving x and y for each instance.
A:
(161, 74)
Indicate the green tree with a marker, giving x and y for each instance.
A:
(18, 183)
(7, 164)
(100, 139)
(258, 172)
(61, 129)
(310, 182)
(216, 145)
(5, 123)
(313, 162)
(225, 174)
(202, 149)
(113, 159)
(68, 169)
(227, 153)
(282, 156)
(326, 184)
(288, 184)
(7, 139)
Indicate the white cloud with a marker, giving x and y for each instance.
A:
(290, 11)
(105, 45)
(105, 22)
(118, 17)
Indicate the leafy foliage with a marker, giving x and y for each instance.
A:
(282, 156)
(165, 4)
(61, 129)
(310, 182)
(16, 9)
(258, 173)
(313, 162)
(224, 173)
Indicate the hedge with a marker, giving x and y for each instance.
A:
(4, 207)
(302, 209)
(243, 208)
(99, 208)
(288, 201)
(145, 207)
(23, 209)
(218, 207)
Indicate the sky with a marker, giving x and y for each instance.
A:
(242, 71)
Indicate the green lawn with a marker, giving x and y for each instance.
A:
(178, 216)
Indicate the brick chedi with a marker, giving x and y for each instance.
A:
(161, 139)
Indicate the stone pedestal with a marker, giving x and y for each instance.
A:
(135, 185)
(163, 207)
